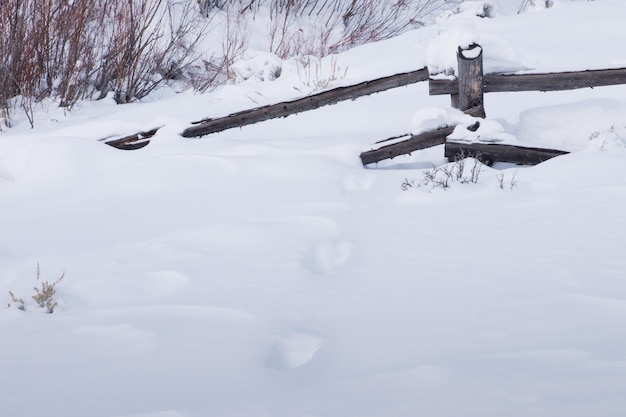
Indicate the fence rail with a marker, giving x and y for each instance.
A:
(557, 81)
(286, 108)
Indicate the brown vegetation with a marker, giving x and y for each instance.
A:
(82, 49)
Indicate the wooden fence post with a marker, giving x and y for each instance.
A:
(470, 79)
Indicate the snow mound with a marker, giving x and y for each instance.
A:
(460, 30)
(467, 128)
(575, 126)
(483, 130)
(432, 118)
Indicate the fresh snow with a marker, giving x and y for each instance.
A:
(263, 272)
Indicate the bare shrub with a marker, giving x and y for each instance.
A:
(316, 76)
(213, 70)
(45, 294)
(72, 50)
(294, 34)
(207, 6)
(46, 50)
(510, 184)
(525, 4)
(15, 55)
(18, 301)
(64, 35)
(68, 50)
(466, 169)
(444, 176)
(235, 38)
(148, 43)
(407, 184)
(334, 26)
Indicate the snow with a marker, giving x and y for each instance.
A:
(463, 30)
(573, 126)
(432, 118)
(261, 66)
(484, 131)
(263, 271)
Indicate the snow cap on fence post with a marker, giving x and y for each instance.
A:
(470, 78)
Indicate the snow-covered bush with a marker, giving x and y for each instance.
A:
(262, 66)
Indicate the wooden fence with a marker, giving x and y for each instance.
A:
(466, 93)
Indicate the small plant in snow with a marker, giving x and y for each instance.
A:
(313, 75)
(465, 169)
(445, 175)
(19, 302)
(525, 4)
(613, 135)
(510, 184)
(407, 184)
(45, 294)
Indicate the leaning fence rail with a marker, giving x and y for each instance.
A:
(286, 108)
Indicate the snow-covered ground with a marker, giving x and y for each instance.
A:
(263, 272)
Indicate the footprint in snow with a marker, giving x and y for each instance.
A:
(293, 350)
(323, 258)
(360, 182)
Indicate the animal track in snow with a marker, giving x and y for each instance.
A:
(323, 258)
(358, 182)
(293, 350)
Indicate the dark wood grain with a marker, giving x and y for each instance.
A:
(494, 152)
(134, 141)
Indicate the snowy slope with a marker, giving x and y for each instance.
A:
(263, 271)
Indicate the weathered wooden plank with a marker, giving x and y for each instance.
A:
(286, 108)
(131, 146)
(442, 87)
(470, 80)
(134, 141)
(411, 144)
(555, 81)
(494, 152)
(559, 81)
